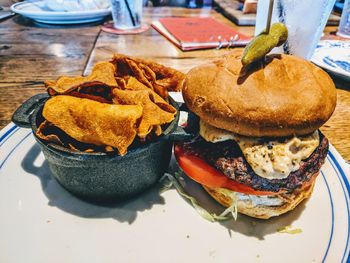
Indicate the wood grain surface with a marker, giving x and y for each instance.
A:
(30, 54)
(152, 45)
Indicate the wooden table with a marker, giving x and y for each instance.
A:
(30, 54)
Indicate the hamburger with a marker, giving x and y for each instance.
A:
(258, 144)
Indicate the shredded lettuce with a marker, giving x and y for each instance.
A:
(290, 230)
(169, 181)
(233, 208)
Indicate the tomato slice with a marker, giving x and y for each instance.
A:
(205, 174)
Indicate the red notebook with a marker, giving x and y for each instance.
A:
(189, 33)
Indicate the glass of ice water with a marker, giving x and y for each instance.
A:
(305, 20)
(127, 14)
(344, 25)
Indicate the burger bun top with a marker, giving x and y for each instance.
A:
(282, 96)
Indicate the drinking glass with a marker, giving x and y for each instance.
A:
(344, 25)
(305, 20)
(127, 14)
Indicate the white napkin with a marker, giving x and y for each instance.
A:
(76, 5)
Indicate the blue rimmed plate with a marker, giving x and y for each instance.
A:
(334, 56)
(41, 222)
(38, 11)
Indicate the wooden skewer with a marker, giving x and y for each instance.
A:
(269, 16)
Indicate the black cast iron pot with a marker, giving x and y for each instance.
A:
(102, 176)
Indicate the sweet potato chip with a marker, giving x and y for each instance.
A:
(157, 77)
(47, 132)
(52, 134)
(93, 91)
(82, 115)
(153, 116)
(93, 122)
(102, 75)
(132, 83)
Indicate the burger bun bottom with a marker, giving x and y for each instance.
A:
(289, 202)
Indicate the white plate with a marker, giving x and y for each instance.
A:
(37, 10)
(333, 55)
(41, 222)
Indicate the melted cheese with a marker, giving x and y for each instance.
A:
(213, 134)
(262, 200)
(253, 200)
(269, 159)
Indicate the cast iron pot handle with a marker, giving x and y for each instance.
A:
(21, 117)
(180, 134)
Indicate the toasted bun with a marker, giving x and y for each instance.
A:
(289, 202)
(284, 96)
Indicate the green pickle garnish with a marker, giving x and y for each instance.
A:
(263, 43)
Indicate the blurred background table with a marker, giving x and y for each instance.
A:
(31, 53)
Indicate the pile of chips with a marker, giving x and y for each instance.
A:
(121, 101)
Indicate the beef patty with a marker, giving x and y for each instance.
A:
(228, 158)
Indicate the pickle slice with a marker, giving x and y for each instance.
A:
(263, 43)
